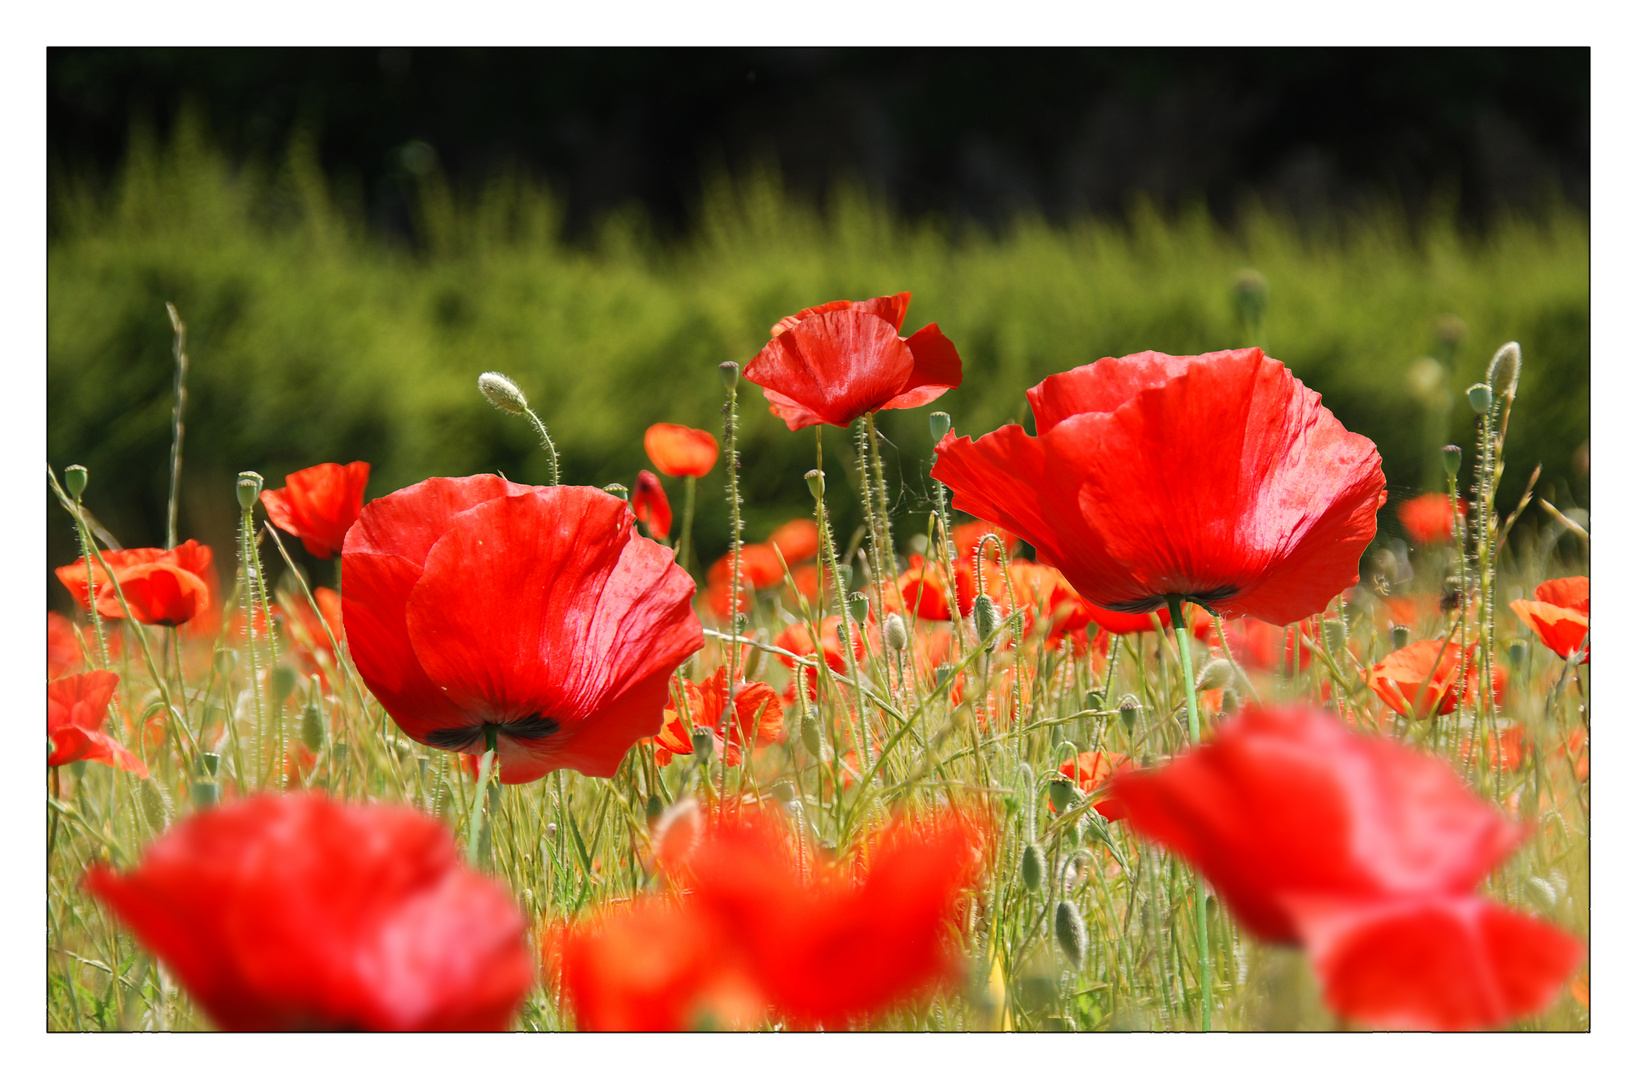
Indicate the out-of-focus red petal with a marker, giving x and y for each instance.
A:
(649, 504)
(678, 450)
(797, 540)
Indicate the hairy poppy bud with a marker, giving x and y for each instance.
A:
(155, 807)
(1130, 711)
(1335, 635)
(730, 374)
(815, 483)
(502, 393)
(1480, 397)
(1542, 896)
(1503, 370)
(1033, 867)
(859, 605)
(1071, 932)
(939, 423)
(1452, 460)
(249, 489)
(897, 637)
(811, 736)
(1214, 676)
(75, 478)
(1401, 637)
(985, 616)
(312, 728)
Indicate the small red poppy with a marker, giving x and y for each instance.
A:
(319, 505)
(165, 588)
(75, 707)
(650, 505)
(1093, 770)
(1219, 478)
(676, 450)
(967, 536)
(298, 913)
(833, 363)
(797, 540)
(476, 602)
(1560, 613)
(758, 718)
(1434, 663)
(795, 638)
(1427, 518)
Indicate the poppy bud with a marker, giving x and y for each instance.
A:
(502, 393)
(312, 728)
(283, 683)
(810, 737)
(619, 491)
(1033, 867)
(1094, 700)
(985, 616)
(1542, 896)
(1503, 370)
(75, 477)
(249, 489)
(154, 805)
(1401, 637)
(1130, 711)
(730, 374)
(1480, 397)
(1335, 635)
(1214, 676)
(1230, 700)
(939, 423)
(1517, 652)
(897, 637)
(740, 621)
(859, 605)
(1452, 461)
(815, 483)
(1071, 932)
(211, 762)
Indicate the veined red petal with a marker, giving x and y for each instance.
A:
(836, 366)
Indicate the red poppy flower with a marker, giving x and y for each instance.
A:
(1092, 771)
(1043, 590)
(75, 707)
(319, 505)
(650, 505)
(1259, 646)
(1217, 478)
(1507, 752)
(309, 641)
(1290, 804)
(295, 912)
(833, 363)
(796, 638)
(758, 718)
(473, 602)
(676, 450)
(1403, 672)
(797, 540)
(968, 535)
(1560, 613)
(758, 567)
(1427, 518)
(63, 654)
(165, 588)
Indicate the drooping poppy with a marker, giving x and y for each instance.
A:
(1560, 613)
(319, 505)
(75, 707)
(1428, 519)
(164, 588)
(1220, 479)
(677, 450)
(650, 505)
(299, 913)
(833, 363)
(1287, 803)
(1433, 663)
(797, 540)
(475, 605)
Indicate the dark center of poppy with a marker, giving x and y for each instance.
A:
(460, 738)
(1207, 599)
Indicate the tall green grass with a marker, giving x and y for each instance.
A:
(314, 338)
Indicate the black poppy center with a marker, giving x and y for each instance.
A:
(459, 738)
(1207, 599)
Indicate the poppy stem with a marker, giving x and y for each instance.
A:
(730, 436)
(547, 445)
(474, 829)
(179, 350)
(684, 543)
(1179, 629)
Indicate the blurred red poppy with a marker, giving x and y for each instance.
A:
(649, 504)
(833, 363)
(298, 913)
(1125, 622)
(1290, 803)
(1433, 663)
(758, 567)
(309, 641)
(967, 535)
(1043, 591)
(63, 653)
(796, 638)
(1219, 478)
(1260, 646)
(676, 450)
(924, 590)
(75, 707)
(1092, 771)
(165, 588)
(319, 505)
(1427, 518)
(1560, 613)
(797, 540)
(473, 603)
(758, 718)
(1507, 751)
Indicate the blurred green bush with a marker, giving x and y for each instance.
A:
(314, 339)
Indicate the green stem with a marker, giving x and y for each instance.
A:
(730, 436)
(474, 830)
(684, 543)
(547, 445)
(1179, 629)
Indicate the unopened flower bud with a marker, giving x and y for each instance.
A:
(226, 661)
(1479, 396)
(1401, 636)
(784, 791)
(1071, 932)
(249, 489)
(1033, 867)
(859, 606)
(75, 477)
(1452, 460)
(155, 808)
(811, 737)
(730, 374)
(654, 808)
(815, 483)
(502, 393)
(897, 637)
(740, 621)
(1230, 700)
(985, 616)
(1130, 711)
(939, 423)
(1503, 370)
(1214, 676)
(312, 728)
(1335, 635)
(1542, 896)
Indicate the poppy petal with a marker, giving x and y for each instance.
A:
(677, 450)
(835, 367)
(937, 369)
(1104, 386)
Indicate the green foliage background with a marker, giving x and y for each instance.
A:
(314, 339)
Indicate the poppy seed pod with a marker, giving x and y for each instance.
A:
(943, 674)
(985, 617)
(859, 606)
(897, 637)
(815, 483)
(939, 423)
(1063, 793)
(1517, 652)
(1130, 711)
(619, 491)
(729, 371)
(249, 489)
(502, 393)
(1503, 370)
(1033, 867)
(1480, 397)
(1401, 636)
(75, 478)
(1071, 932)
(1452, 460)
